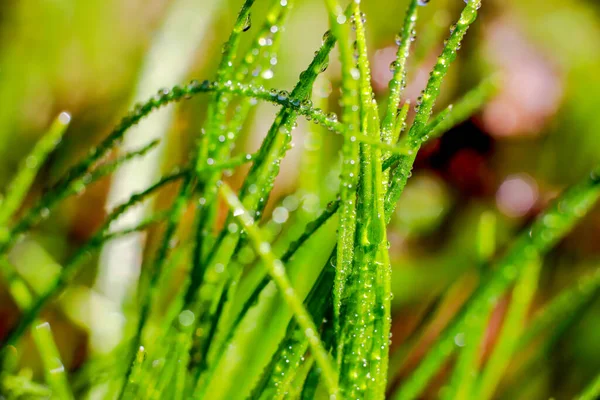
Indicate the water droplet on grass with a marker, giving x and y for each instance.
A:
(247, 23)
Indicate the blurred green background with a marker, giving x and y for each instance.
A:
(94, 58)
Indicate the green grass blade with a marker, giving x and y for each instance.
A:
(512, 329)
(398, 81)
(258, 58)
(259, 182)
(54, 370)
(545, 232)
(591, 392)
(72, 266)
(350, 153)
(280, 375)
(277, 272)
(363, 343)
(23, 180)
(426, 103)
(400, 125)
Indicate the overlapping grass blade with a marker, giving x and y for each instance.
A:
(277, 272)
(545, 232)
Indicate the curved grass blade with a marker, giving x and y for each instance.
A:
(72, 266)
(398, 81)
(400, 125)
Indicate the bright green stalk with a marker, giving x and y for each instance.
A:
(512, 329)
(279, 376)
(546, 231)
(398, 81)
(22, 182)
(133, 379)
(363, 342)
(427, 101)
(216, 117)
(591, 392)
(350, 153)
(277, 272)
(293, 247)
(76, 175)
(254, 193)
(54, 369)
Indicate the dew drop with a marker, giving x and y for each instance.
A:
(247, 23)
(398, 39)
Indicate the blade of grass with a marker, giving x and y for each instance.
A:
(277, 272)
(367, 291)
(545, 232)
(71, 267)
(426, 103)
(263, 49)
(512, 329)
(256, 188)
(400, 125)
(350, 153)
(21, 183)
(54, 370)
(466, 369)
(592, 391)
(185, 23)
(279, 376)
